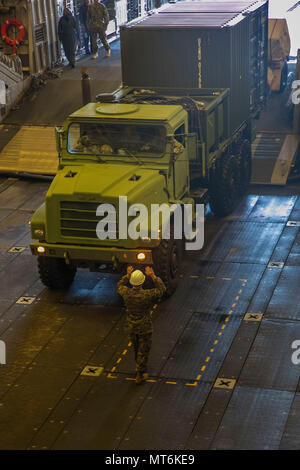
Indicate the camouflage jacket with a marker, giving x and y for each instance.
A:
(97, 16)
(138, 305)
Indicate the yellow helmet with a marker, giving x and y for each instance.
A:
(137, 278)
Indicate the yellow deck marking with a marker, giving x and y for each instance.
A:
(119, 360)
(194, 277)
(203, 368)
(222, 327)
(111, 376)
(172, 383)
(192, 385)
(124, 352)
(113, 369)
(198, 377)
(207, 359)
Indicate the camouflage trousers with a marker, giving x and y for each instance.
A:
(142, 346)
(94, 37)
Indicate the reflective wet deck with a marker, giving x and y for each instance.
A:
(221, 374)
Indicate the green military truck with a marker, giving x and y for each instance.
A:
(152, 145)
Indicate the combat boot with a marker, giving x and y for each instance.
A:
(140, 378)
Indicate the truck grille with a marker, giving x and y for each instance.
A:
(78, 219)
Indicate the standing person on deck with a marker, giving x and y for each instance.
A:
(97, 22)
(138, 302)
(68, 34)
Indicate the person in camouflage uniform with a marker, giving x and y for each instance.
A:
(138, 324)
(97, 20)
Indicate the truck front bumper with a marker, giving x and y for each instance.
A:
(105, 255)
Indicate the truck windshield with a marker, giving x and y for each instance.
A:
(116, 139)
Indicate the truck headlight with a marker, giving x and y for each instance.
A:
(40, 249)
(141, 256)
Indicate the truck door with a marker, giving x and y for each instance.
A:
(180, 162)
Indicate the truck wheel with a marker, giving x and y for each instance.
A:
(224, 186)
(55, 273)
(167, 258)
(244, 161)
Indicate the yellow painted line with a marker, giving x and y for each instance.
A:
(226, 278)
(233, 305)
(192, 385)
(129, 344)
(210, 277)
(172, 383)
(154, 306)
(125, 352)
(194, 277)
(129, 378)
(226, 319)
(151, 380)
(113, 369)
(237, 297)
(230, 312)
(212, 350)
(119, 360)
(203, 368)
(240, 291)
(222, 327)
(207, 359)
(216, 342)
(109, 376)
(220, 334)
(198, 377)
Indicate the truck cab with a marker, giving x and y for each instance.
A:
(109, 152)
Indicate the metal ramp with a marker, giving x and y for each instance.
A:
(273, 154)
(32, 150)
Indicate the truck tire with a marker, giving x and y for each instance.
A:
(55, 273)
(224, 186)
(167, 258)
(244, 161)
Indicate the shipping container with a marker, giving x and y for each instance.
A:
(258, 41)
(202, 49)
(190, 51)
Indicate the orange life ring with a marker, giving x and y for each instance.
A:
(13, 42)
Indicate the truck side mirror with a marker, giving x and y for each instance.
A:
(59, 134)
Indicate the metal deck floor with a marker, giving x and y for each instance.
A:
(219, 377)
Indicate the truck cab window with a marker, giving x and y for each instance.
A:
(179, 135)
(116, 139)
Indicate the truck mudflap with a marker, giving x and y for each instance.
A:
(73, 253)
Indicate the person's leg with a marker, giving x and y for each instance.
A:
(94, 43)
(102, 36)
(86, 42)
(144, 346)
(134, 340)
